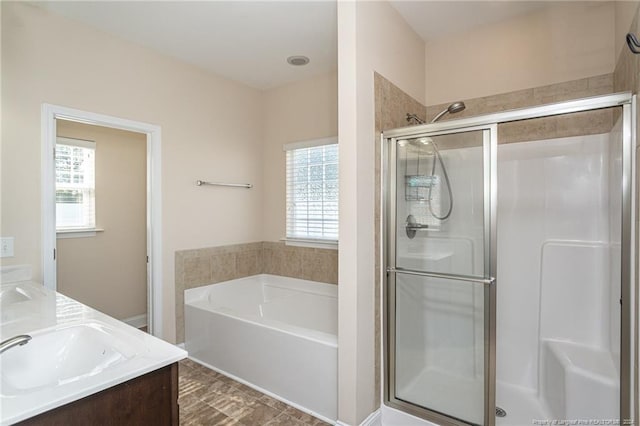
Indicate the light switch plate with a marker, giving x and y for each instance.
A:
(6, 247)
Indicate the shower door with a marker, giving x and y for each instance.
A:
(440, 286)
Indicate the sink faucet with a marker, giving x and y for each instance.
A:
(19, 340)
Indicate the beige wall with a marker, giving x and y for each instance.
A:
(109, 271)
(625, 12)
(205, 132)
(373, 38)
(294, 112)
(563, 41)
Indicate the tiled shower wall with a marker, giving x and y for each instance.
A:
(392, 105)
(576, 124)
(199, 267)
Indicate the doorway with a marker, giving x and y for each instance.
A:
(101, 219)
(51, 114)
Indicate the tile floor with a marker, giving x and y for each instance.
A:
(209, 398)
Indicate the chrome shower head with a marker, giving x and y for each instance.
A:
(456, 107)
(451, 109)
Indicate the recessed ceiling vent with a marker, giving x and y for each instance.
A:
(298, 60)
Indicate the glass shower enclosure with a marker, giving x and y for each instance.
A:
(440, 254)
(441, 273)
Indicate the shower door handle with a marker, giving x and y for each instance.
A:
(417, 226)
(485, 281)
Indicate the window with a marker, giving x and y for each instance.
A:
(312, 190)
(75, 184)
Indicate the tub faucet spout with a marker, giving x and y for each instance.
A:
(19, 340)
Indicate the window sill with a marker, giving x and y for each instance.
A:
(78, 233)
(301, 242)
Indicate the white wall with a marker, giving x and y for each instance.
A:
(205, 132)
(299, 111)
(561, 42)
(373, 37)
(554, 240)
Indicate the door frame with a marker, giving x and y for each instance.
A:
(630, 322)
(49, 114)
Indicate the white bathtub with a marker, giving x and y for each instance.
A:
(276, 334)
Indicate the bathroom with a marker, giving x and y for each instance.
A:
(226, 119)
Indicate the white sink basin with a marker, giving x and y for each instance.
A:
(63, 355)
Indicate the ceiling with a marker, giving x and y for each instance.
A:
(438, 19)
(245, 41)
(249, 41)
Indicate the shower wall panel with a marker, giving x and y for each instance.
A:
(455, 244)
(553, 241)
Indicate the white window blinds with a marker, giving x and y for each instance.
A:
(312, 190)
(75, 184)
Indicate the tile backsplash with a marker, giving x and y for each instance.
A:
(204, 266)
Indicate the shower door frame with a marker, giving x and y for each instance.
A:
(628, 350)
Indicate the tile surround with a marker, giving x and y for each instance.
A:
(198, 267)
(585, 123)
(575, 89)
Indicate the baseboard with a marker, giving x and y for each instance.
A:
(137, 321)
(373, 419)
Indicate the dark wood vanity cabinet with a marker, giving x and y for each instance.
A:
(151, 399)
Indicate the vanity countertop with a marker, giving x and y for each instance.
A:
(75, 351)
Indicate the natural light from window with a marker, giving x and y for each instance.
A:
(312, 192)
(75, 184)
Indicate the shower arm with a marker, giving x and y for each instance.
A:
(415, 118)
(440, 114)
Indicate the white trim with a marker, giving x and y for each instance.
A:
(310, 143)
(77, 233)
(137, 321)
(154, 199)
(304, 242)
(373, 419)
(392, 417)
